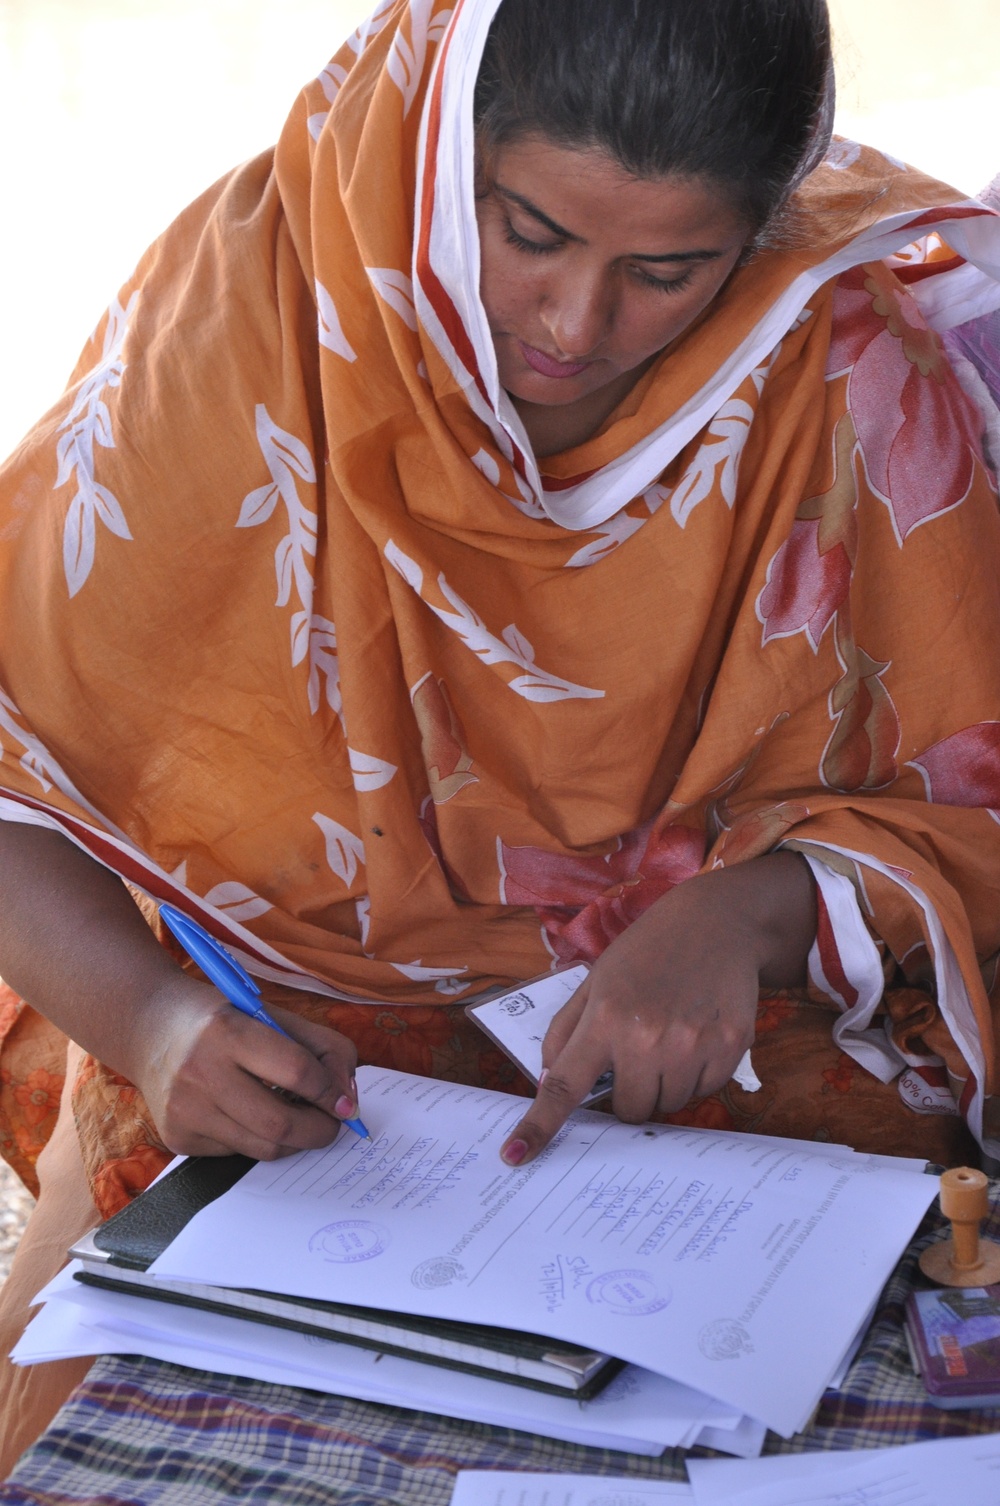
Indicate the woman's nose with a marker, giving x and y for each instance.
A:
(577, 313)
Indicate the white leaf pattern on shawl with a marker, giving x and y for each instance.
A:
(407, 568)
(344, 851)
(333, 77)
(395, 289)
(536, 684)
(484, 462)
(417, 973)
(35, 758)
(527, 502)
(39, 763)
(407, 61)
(369, 773)
(89, 423)
(727, 434)
(79, 543)
(363, 910)
(518, 642)
(289, 461)
(609, 535)
(324, 665)
(371, 28)
(330, 332)
(34, 767)
(258, 506)
(300, 637)
(284, 562)
(450, 986)
(619, 528)
(237, 901)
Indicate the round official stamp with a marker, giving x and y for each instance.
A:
(516, 1004)
(725, 1339)
(630, 1294)
(350, 1240)
(440, 1270)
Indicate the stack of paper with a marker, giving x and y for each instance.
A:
(943, 1470)
(639, 1412)
(917, 1474)
(736, 1270)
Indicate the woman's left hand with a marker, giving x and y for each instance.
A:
(670, 1007)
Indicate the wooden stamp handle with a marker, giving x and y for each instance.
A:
(965, 1201)
(964, 1259)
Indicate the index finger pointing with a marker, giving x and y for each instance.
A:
(562, 1089)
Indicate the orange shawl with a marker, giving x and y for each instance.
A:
(297, 634)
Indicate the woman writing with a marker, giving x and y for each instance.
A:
(520, 520)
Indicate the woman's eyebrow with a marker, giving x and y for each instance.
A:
(557, 229)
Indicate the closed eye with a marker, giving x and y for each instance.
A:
(544, 248)
(522, 243)
(674, 285)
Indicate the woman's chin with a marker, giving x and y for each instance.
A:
(528, 386)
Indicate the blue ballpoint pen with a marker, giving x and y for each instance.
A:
(229, 978)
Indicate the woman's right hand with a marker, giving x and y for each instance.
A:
(208, 1074)
(75, 946)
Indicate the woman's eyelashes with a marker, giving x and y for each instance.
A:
(671, 285)
(520, 242)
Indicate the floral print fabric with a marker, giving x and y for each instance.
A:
(299, 635)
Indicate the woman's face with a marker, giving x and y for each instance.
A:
(588, 272)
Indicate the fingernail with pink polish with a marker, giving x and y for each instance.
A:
(345, 1108)
(514, 1152)
(543, 1075)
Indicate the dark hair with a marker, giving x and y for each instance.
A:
(739, 92)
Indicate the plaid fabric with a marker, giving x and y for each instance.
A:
(138, 1431)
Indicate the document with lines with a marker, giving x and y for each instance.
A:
(932, 1473)
(737, 1264)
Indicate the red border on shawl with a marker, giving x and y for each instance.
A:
(829, 955)
(436, 295)
(130, 866)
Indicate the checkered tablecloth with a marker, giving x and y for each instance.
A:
(139, 1431)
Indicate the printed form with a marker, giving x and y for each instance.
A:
(508, 1488)
(917, 1474)
(935, 1473)
(703, 1256)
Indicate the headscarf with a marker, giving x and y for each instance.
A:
(299, 634)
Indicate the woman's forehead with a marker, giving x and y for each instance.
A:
(587, 193)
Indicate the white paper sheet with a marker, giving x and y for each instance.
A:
(481, 1487)
(518, 1021)
(963, 1471)
(639, 1411)
(745, 1441)
(839, 1376)
(702, 1256)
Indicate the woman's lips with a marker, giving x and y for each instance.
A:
(546, 366)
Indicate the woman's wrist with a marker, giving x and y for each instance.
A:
(765, 906)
